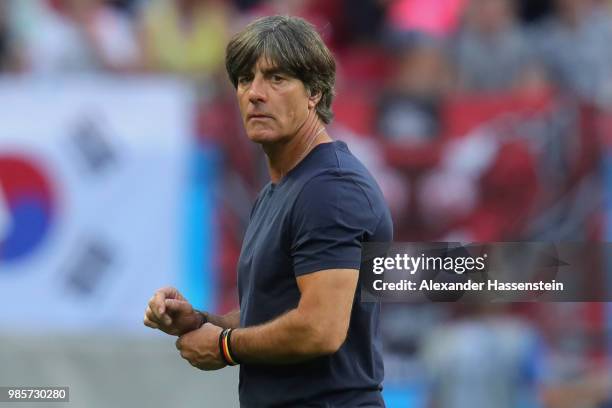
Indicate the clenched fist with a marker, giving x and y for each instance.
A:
(171, 313)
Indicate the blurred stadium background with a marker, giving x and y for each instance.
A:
(124, 168)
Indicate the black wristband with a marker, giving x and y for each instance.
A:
(229, 346)
(221, 336)
(224, 347)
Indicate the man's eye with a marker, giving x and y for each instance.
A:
(277, 78)
(243, 80)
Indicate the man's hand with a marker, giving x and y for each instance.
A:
(201, 347)
(171, 313)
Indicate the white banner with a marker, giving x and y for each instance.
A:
(93, 180)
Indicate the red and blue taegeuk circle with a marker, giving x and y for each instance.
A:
(29, 206)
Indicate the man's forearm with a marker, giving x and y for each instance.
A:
(287, 339)
(227, 321)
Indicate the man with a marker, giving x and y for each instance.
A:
(302, 335)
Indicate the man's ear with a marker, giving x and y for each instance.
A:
(313, 99)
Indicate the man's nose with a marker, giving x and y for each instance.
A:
(257, 90)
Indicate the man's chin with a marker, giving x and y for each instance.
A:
(263, 137)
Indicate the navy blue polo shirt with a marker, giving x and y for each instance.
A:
(315, 218)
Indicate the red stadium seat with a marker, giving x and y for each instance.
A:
(354, 107)
(463, 113)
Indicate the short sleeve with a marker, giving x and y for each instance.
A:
(330, 219)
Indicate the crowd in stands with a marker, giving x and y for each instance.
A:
(428, 48)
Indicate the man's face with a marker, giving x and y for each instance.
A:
(273, 104)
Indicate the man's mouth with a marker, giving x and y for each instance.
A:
(258, 116)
